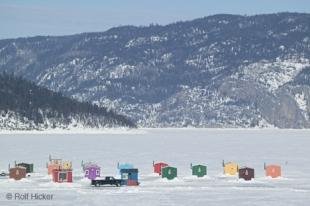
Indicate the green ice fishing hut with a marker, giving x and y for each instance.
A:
(169, 172)
(29, 167)
(199, 170)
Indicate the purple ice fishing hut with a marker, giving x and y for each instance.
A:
(91, 170)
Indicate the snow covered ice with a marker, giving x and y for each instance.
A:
(179, 148)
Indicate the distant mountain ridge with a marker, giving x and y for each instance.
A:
(216, 71)
(25, 106)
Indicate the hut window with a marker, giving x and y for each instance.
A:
(97, 172)
(125, 176)
(86, 172)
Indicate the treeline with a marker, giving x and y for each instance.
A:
(42, 106)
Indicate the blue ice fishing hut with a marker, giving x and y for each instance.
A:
(129, 177)
(124, 166)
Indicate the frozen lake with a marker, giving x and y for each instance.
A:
(179, 148)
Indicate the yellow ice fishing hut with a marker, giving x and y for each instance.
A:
(230, 168)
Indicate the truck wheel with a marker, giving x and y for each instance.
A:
(97, 185)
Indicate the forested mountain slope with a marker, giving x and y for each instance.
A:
(216, 71)
(24, 106)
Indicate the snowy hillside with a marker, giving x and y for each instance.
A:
(216, 71)
(25, 106)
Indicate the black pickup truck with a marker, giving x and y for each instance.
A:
(106, 181)
(3, 174)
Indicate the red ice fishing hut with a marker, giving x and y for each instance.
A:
(17, 172)
(158, 166)
(60, 175)
(273, 171)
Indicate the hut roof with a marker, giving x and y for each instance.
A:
(245, 167)
(199, 165)
(18, 167)
(169, 167)
(90, 165)
(24, 163)
(273, 165)
(160, 163)
(125, 166)
(133, 170)
(56, 160)
(229, 163)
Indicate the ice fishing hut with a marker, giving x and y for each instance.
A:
(61, 175)
(246, 173)
(230, 168)
(17, 172)
(91, 170)
(29, 167)
(169, 172)
(124, 166)
(129, 177)
(158, 167)
(273, 171)
(199, 170)
(53, 164)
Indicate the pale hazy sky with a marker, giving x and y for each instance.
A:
(23, 18)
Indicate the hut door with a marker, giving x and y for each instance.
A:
(246, 172)
(17, 172)
(62, 176)
(169, 171)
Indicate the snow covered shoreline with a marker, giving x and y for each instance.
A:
(141, 130)
(75, 131)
